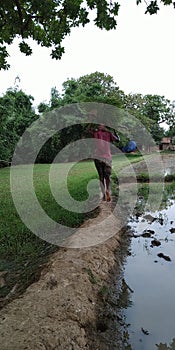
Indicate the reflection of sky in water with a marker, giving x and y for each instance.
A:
(153, 283)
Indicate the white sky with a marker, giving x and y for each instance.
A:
(139, 54)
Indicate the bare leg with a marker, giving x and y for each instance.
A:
(108, 183)
(102, 186)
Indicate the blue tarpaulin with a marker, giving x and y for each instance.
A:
(130, 147)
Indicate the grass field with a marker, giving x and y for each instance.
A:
(21, 251)
(16, 241)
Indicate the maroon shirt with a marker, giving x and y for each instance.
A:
(102, 141)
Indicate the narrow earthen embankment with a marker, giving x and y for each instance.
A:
(65, 309)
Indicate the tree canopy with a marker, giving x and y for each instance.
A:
(48, 22)
(98, 87)
(17, 114)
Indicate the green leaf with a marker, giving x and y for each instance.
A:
(167, 2)
(57, 52)
(3, 55)
(152, 8)
(25, 48)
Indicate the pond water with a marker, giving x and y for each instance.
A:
(150, 317)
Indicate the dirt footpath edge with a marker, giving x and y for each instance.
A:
(65, 309)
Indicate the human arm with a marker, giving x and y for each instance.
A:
(115, 137)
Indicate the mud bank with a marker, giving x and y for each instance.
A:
(70, 306)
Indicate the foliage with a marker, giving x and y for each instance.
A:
(151, 110)
(47, 128)
(157, 132)
(48, 22)
(16, 114)
(134, 104)
(95, 87)
(162, 346)
(156, 108)
(171, 123)
(98, 87)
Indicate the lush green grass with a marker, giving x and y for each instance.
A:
(15, 238)
(21, 251)
(168, 152)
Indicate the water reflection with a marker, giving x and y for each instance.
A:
(149, 310)
(162, 346)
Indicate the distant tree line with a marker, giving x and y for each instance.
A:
(17, 114)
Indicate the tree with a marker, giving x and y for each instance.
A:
(16, 114)
(94, 87)
(134, 104)
(48, 22)
(152, 110)
(171, 123)
(156, 108)
(55, 102)
(171, 120)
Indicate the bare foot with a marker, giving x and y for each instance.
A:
(108, 197)
(104, 197)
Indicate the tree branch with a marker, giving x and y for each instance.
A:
(20, 15)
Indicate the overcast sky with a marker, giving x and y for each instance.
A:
(139, 54)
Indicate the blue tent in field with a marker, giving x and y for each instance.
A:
(130, 147)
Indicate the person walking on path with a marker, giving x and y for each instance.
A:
(103, 157)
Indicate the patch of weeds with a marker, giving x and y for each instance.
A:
(134, 156)
(102, 325)
(114, 186)
(156, 193)
(19, 276)
(169, 190)
(168, 151)
(126, 340)
(169, 178)
(124, 297)
(143, 177)
(92, 278)
(143, 191)
(104, 292)
(107, 296)
(128, 347)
